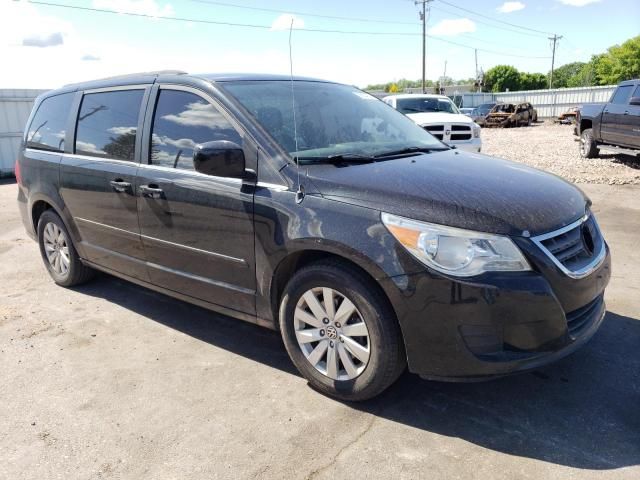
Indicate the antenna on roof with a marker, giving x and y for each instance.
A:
(300, 191)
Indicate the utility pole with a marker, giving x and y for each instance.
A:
(476, 56)
(554, 39)
(423, 17)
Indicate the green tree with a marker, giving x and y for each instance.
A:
(533, 81)
(501, 78)
(563, 76)
(621, 62)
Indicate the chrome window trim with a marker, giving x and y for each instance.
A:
(48, 152)
(272, 186)
(139, 86)
(584, 271)
(179, 245)
(193, 173)
(103, 159)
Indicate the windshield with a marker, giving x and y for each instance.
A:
(331, 119)
(485, 108)
(428, 104)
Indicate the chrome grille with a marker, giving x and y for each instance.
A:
(576, 249)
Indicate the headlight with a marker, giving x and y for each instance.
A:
(455, 251)
(476, 131)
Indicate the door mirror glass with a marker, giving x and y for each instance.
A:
(220, 158)
(634, 101)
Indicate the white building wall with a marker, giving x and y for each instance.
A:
(15, 107)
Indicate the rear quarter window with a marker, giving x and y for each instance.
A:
(48, 127)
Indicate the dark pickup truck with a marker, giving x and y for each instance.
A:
(614, 125)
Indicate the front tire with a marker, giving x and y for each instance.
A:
(340, 331)
(588, 146)
(58, 253)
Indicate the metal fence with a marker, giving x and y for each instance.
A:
(15, 106)
(548, 103)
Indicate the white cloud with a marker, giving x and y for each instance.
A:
(197, 114)
(142, 7)
(283, 22)
(452, 27)
(578, 3)
(121, 130)
(43, 40)
(22, 24)
(508, 7)
(87, 57)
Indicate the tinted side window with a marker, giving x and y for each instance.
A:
(181, 121)
(621, 95)
(107, 124)
(636, 93)
(48, 128)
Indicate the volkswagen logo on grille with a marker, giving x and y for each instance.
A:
(447, 132)
(587, 238)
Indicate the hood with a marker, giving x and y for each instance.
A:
(438, 117)
(459, 189)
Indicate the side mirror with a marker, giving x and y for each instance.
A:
(634, 101)
(220, 158)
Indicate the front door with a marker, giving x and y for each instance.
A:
(613, 116)
(98, 178)
(631, 122)
(196, 229)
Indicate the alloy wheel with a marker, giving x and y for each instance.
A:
(332, 333)
(56, 248)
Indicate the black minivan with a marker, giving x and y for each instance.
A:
(313, 208)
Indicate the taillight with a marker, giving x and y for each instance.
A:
(17, 173)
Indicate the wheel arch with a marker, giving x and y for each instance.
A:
(40, 203)
(585, 123)
(299, 259)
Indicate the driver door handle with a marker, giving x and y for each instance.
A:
(119, 185)
(151, 191)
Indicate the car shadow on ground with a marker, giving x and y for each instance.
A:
(582, 412)
(631, 161)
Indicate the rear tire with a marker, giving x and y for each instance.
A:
(588, 146)
(379, 357)
(58, 253)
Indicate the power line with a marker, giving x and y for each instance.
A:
(493, 19)
(307, 14)
(483, 50)
(267, 27)
(497, 27)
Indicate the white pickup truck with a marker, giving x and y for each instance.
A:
(439, 116)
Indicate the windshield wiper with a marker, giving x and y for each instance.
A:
(338, 158)
(407, 151)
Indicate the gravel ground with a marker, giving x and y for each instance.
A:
(554, 148)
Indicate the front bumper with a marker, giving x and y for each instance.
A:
(496, 324)
(474, 145)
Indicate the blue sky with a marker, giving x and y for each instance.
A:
(43, 46)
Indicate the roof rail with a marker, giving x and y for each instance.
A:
(137, 74)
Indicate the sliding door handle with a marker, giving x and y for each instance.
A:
(150, 191)
(120, 186)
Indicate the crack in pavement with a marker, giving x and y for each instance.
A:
(318, 471)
